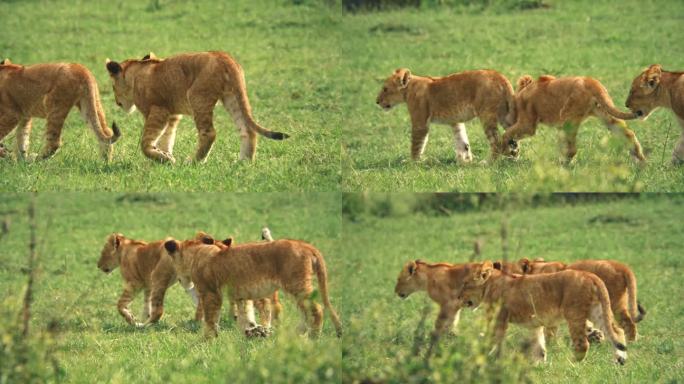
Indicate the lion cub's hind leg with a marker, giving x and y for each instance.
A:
(578, 335)
(461, 143)
(538, 350)
(619, 127)
(678, 153)
(568, 133)
(57, 107)
(146, 304)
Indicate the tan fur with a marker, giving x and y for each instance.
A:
(144, 266)
(441, 281)
(451, 100)
(268, 308)
(565, 103)
(50, 91)
(186, 84)
(253, 271)
(654, 88)
(545, 300)
(618, 278)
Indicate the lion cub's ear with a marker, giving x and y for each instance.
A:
(404, 77)
(411, 267)
(5, 62)
(497, 265)
(113, 67)
(227, 242)
(524, 264)
(523, 82)
(485, 271)
(149, 56)
(171, 246)
(651, 78)
(115, 239)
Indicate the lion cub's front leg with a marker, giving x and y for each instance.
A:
(127, 296)
(211, 303)
(155, 121)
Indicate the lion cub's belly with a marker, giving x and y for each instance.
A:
(537, 318)
(253, 291)
(456, 114)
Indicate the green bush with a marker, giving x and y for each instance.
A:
(25, 359)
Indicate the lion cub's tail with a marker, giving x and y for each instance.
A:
(615, 335)
(238, 106)
(635, 309)
(322, 275)
(605, 103)
(91, 109)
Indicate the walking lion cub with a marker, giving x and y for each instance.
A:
(50, 91)
(186, 84)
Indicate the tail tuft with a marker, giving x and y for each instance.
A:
(278, 136)
(116, 133)
(642, 313)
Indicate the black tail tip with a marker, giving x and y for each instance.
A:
(116, 132)
(621, 347)
(279, 136)
(641, 309)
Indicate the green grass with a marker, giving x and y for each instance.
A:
(611, 41)
(644, 233)
(95, 345)
(290, 62)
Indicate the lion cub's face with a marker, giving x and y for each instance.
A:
(407, 282)
(123, 89)
(392, 92)
(111, 254)
(643, 98)
(473, 287)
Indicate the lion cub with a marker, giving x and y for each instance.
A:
(253, 271)
(269, 309)
(50, 91)
(654, 88)
(618, 278)
(186, 84)
(451, 100)
(565, 103)
(545, 300)
(144, 266)
(442, 282)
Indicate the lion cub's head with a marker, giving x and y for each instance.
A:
(181, 250)
(643, 96)
(392, 92)
(408, 281)
(473, 287)
(110, 256)
(123, 86)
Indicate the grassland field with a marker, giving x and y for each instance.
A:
(95, 345)
(643, 233)
(611, 41)
(290, 62)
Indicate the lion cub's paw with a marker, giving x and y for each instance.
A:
(257, 331)
(595, 336)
